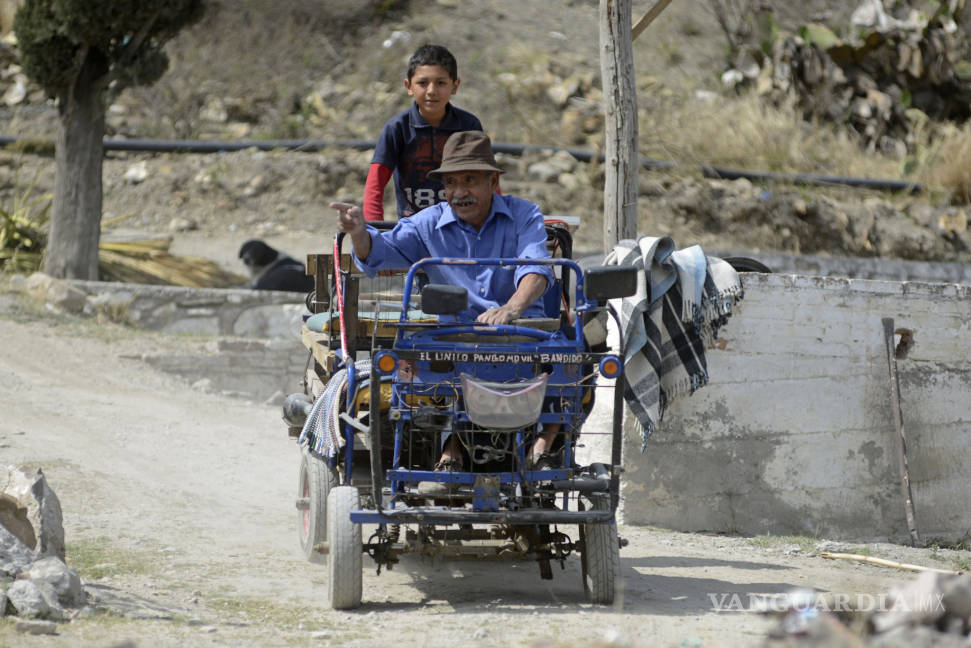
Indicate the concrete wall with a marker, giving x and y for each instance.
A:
(794, 433)
(240, 342)
(258, 370)
(860, 268)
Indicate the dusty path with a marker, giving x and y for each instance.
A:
(178, 509)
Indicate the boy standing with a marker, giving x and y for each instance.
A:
(411, 142)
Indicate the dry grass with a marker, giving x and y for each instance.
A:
(949, 163)
(742, 132)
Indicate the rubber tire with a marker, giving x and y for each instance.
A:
(600, 560)
(745, 264)
(345, 562)
(314, 483)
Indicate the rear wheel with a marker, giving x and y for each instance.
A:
(344, 564)
(315, 482)
(600, 560)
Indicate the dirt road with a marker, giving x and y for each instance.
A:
(178, 510)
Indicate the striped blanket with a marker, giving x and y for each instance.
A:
(322, 430)
(682, 299)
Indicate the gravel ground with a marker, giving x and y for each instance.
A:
(178, 509)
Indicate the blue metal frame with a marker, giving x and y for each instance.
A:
(421, 343)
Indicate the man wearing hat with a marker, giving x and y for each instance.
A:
(474, 222)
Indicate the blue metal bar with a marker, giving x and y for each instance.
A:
(405, 475)
(568, 263)
(434, 515)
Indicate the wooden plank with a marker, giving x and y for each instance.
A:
(352, 292)
(317, 267)
(319, 346)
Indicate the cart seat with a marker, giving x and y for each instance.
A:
(329, 322)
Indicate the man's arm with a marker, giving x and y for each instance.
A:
(350, 220)
(531, 287)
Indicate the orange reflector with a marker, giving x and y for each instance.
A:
(386, 363)
(610, 368)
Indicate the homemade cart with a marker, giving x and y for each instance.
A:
(392, 372)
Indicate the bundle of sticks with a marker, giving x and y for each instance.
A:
(129, 258)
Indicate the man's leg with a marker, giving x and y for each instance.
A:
(543, 443)
(451, 460)
(451, 452)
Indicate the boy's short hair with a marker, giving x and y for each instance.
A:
(433, 55)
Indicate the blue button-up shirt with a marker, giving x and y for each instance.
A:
(513, 230)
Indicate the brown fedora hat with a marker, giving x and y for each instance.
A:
(466, 151)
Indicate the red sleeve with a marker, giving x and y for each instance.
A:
(377, 177)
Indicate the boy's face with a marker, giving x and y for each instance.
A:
(431, 86)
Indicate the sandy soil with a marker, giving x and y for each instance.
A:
(178, 510)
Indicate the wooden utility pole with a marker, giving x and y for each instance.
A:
(622, 160)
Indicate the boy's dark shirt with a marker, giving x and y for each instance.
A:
(413, 147)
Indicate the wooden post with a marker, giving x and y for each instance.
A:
(622, 160)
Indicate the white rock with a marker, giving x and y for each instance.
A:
(31, 491)
(28, 600)
(731, 78)
(214, 110)
(136, 173)
(16, 92)
(37, 285)
(396, 37)
(65, 581)
(66, 297)
(182, 224)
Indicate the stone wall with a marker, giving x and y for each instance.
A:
(213, 312)
(237, 342)
(794, 433)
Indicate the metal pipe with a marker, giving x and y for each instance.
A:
(296, 409)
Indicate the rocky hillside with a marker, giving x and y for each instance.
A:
(530, 70)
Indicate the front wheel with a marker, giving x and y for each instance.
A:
(316, 480)
(600, 560)
(344, 565)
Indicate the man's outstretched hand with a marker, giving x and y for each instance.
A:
(350, 220)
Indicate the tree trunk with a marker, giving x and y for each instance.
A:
(620, 96)
(72, 249)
